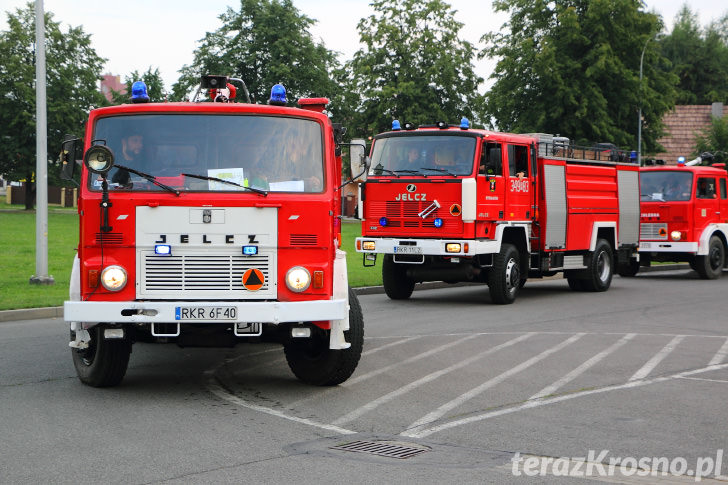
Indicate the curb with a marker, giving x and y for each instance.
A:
(57, 311)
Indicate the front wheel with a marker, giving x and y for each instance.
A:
(313, 362)
(710, 266)
(504, 278)
(397, 285)
(104, 362)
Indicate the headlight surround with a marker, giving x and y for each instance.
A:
(113, 278)
(298, 279)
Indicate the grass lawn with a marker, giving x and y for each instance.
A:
(17, 245)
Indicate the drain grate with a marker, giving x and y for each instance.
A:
(389, 449)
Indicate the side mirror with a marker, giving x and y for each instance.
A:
(359, 162)
(71, 155)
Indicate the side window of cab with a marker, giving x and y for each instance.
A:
(491, 160)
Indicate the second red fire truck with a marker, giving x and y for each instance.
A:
(452, 203)
(684, 217)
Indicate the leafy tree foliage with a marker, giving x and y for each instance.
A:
(699, 58)
(73, 70)
(414, 68)
(154, 82)
(573, 67)
(265, 43)
(714, 140)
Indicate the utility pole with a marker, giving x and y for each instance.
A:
(41, 276)
(639, 114)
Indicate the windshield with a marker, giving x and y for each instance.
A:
(187, 151)
(423, 155)
(665, 186)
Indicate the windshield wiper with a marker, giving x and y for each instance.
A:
(380, 170)
(264, 193)
(413, 172)
(151, 178)
(439, 170)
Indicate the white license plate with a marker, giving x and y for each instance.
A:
(205, 313)
(407, 250)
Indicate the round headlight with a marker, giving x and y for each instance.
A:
(99, 159)
(298, 279)
(675, 235)
(113, 278)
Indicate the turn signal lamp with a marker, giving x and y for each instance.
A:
(318, 280)
(453, 247)
(368, 245)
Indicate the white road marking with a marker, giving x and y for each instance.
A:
(223, 394)
(428, 378)
(719, 357)
(386, 346)
(657, 358)
(423, 432)
(421, 423)
(582, 368)
(703, 379)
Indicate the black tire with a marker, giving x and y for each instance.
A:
(630, 269)
(710, 266)
(313, 362)
(598, 275)
(104, 362)
(397, 285)
(504, 278)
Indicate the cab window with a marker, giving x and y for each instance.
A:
(518, 160)
(723, 194)
(706, 188)
(490, 160)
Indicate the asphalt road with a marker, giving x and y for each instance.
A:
(477, 393)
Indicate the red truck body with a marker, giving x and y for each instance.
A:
(684, 218)
(496, 208)
(207, 240)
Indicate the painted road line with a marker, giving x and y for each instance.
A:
(582, 368)
(370, 406)
(423, 422)
(423, 432)
(386, 346)
(719, 357)
(657, 358)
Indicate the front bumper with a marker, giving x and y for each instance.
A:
(429, 247)
(668, 247)
(164, 311)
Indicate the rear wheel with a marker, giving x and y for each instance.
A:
(313, 362)
(397, 285)
(504, 278)
(104, 362)
(598, 275)
(710, 266)
(630, 269)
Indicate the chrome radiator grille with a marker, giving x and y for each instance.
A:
(651, 230)
(212, 276)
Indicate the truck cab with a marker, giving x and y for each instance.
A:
(683, 218)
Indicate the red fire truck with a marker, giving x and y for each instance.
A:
(451, 203)
(684, 217)
(210, 224)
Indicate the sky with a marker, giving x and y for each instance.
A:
(164, 33)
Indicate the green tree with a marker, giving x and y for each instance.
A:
(699, 58)
(265, 43)
(714, 140)
(573, 67)
(73, 71)
(154, 82)
(414, 67)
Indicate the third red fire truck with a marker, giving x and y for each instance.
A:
(452, 203)
(684, 217)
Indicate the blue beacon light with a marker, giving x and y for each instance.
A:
(250, 250)
(163, 249)
(383, 222)
(396, 126)
(681, 161)
(437, 222)
(139, 92)
(464, 123)
(277, 95)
